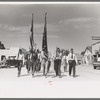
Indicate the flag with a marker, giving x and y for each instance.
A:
(31, 36)
(44, 40)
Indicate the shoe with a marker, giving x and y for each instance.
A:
(28, 72)
(18, 75)
(56, 75)
(60, 77)
(74, 76)
(45, 76)
(32, 76)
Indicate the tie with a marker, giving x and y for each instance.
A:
(72, 56)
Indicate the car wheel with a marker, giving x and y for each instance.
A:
(15, 66)
(94, 67)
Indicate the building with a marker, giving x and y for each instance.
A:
(79, 58)
(96, 48)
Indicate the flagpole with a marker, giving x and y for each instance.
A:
(46, 31)
(31, 36)
(44, 40)
(32, 31)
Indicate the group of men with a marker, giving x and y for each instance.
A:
(36, 59)
(65, 60)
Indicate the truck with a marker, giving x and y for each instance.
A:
(96, 61)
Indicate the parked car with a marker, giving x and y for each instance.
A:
(96, 61)
(11, 61)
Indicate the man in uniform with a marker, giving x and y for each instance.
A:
(72, 60)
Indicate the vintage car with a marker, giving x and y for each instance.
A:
(12, 61)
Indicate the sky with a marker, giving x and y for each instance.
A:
(68, 25)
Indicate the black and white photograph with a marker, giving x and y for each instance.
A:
(49, 50)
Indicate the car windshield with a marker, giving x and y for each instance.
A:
(98, 55)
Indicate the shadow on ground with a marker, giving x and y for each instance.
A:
(24, 75)
(77, 75)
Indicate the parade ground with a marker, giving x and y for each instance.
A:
(85, 85)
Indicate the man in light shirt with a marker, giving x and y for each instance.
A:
(72, 60)
(57, 62)
(20, 61)
(64, 61)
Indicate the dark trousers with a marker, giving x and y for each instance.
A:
(72, 65)
(20, 64)
(28, 65)
(57, 67)
(38, 66)
(33, 66)
(48, 68)
(44, 62)
(65, 68)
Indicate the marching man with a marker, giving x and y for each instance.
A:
(72, 60)
(20, 61)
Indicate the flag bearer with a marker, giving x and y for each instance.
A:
(44, 62)
(33, 60)
(48, 64)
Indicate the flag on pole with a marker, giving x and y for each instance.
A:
(31, 36)
(44, 40)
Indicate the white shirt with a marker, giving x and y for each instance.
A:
(39, 55)
(64, 58)
(57, 56)
(21, 57)
(42, 55)
(70, 58)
